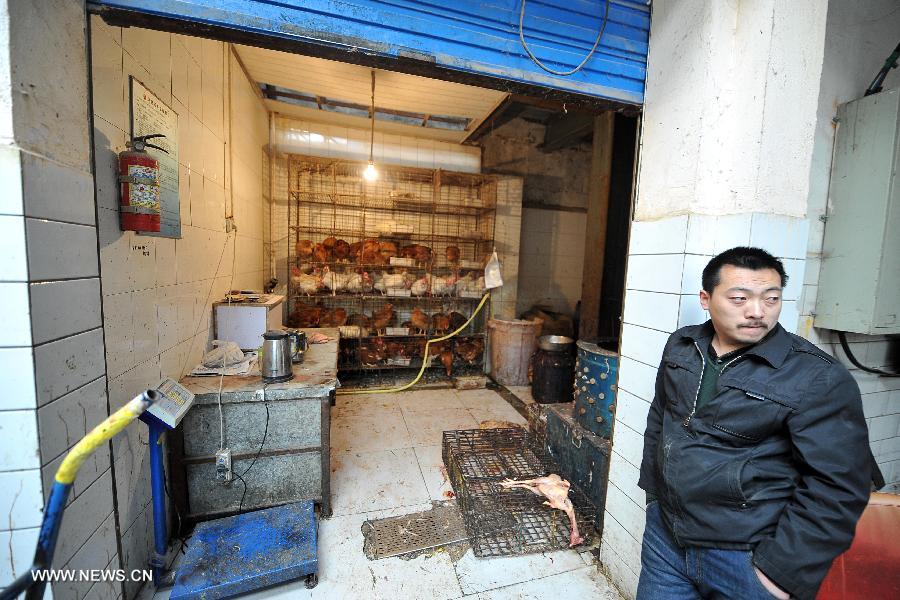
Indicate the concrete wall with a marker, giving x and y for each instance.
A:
(550, 273)
(859, 36)
(735, 149)
(51, 349)
(157, 292)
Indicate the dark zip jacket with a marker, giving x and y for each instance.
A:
(776, 463)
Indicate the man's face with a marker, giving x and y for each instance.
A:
(744, 307)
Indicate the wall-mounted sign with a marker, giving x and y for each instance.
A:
(151, 115)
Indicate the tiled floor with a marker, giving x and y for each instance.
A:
(386, 461)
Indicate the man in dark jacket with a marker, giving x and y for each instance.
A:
(756, 453)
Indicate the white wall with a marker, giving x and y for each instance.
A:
(157, 292)
(859, 37)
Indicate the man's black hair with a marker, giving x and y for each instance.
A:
(755, 259)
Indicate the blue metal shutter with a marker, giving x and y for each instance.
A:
(466, 36)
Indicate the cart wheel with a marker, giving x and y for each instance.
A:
(312, 581)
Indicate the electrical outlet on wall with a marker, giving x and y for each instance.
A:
(223, 466)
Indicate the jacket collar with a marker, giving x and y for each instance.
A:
(773, 348)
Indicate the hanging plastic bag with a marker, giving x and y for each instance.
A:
(492, 277)
(223, 354)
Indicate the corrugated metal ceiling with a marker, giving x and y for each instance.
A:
(352, 83)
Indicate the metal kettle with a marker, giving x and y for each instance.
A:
(277, 356)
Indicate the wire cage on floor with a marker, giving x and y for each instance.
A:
(415, 239)
(503, 522)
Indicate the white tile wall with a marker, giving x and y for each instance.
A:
(643, 344)
(14, 304)
(13, 266)
(157, 292)
(651, 309)
(655, 272)
(63, 308)
(666, 236)
(19, 440)
(11, 178)
(21, 498)
(17, 375)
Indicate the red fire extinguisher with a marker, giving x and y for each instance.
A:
(139, 208)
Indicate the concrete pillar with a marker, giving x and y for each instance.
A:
(52, 366)
(726, 158)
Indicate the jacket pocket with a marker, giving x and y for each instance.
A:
(750, 412)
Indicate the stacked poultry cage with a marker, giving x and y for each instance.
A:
(501, 521)
(391, 262)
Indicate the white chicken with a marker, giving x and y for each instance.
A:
(443, 286)
(306, 283)
(420, 286)
(336, 282)
(470, 284)
(358, 283)
(393, 281)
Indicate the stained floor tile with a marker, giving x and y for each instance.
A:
(426, 428)
(432, 465)
(367, 481)
(586, 582)
(484, 574)
(378, 430)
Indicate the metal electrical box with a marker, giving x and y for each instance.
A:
(859, 284)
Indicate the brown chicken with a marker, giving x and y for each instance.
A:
(329, 242)
(383, 318)
(471, 351)
(457, 320)
(447, 360)
(320, 253)
(452, 253)
(440, 322)
(395, 350)
(356, 250)
(387, 250)
(341, 250)
(370, 253)
(419, 320)
(304, 249)
(305, 315)
(556, 490)
(335, 317)
(369, 355)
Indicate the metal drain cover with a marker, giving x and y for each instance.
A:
(414, 532)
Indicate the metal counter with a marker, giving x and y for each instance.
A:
(278, 434)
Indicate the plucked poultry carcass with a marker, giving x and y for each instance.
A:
(383, 318)
(556, 490)
(419, 320)
(306, 283)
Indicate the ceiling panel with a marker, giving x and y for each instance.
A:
(352, 83)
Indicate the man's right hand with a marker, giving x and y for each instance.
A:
(770, 586)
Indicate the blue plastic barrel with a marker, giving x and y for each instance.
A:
(596, 374)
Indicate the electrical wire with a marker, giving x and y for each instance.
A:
(843, 339)
(545, 67)
(258, 452)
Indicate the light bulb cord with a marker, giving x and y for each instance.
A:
(372, 115)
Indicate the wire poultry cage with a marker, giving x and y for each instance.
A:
(504, 522)
(416, 239)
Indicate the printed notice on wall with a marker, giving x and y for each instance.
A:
(150, 115)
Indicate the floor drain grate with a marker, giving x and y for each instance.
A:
(394, 536)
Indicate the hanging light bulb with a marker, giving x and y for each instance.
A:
(371, 173)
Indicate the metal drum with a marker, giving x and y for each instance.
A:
(552, 370)
(596, 373)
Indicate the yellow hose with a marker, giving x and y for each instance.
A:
(424, 357)
(101, 434)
